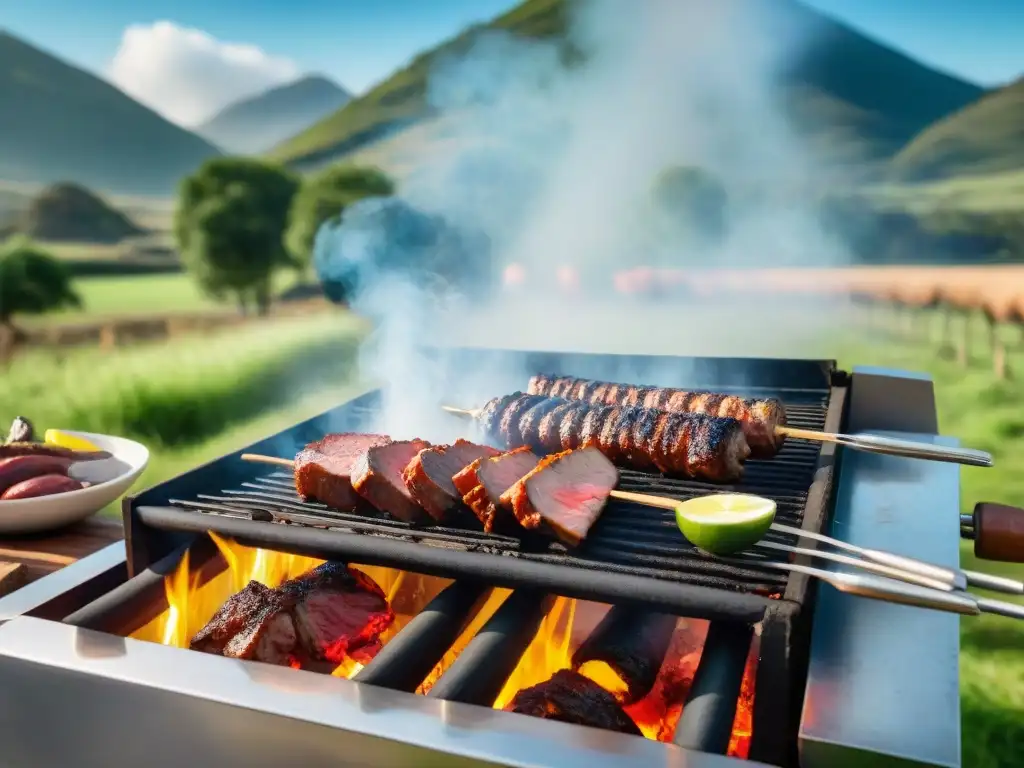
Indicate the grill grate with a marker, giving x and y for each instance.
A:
(628, 539)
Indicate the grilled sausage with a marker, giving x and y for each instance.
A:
(44, 485)
(688, 444)
(759, 417)
(17, 469)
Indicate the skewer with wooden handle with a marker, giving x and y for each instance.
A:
(997, 531)
(870, 443)
(950, 577)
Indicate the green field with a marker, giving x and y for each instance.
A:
(983, 194)
(988, 415)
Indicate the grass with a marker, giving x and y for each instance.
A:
(176, 395)
(149, 295)
(990, 193)
(989, 415)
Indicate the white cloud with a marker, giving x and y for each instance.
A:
(186, 75)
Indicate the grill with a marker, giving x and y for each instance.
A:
(633, 561)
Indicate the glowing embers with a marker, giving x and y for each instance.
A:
(643, 666)
(288, 609)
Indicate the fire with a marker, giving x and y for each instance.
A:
(192, 603)
(565, 626)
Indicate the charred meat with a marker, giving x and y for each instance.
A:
(377, 477)
(759, 417)
(8, 450)
(324, 615)
(428, 477)
(323, 469)
(564, 493)
(572, 698)
(687, 444)
(492, 477)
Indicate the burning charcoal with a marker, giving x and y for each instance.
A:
(633, 643)
(572, 698)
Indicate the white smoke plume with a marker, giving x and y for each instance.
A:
(556, 163)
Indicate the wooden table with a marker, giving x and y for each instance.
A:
(24, 559)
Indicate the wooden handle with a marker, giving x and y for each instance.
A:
(999, 532)
(807, 434)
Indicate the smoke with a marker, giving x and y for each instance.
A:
(552, 148)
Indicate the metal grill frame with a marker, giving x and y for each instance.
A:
(153, 530)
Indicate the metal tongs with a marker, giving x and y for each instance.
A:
(891, 446)
(897, 579)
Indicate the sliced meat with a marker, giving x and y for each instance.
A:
(496, 476)
(231, 618)
(572, 698)
(324, 615)
(565, 493)
(338, 611)
(323, 469)
(377, 477)
(428, 477)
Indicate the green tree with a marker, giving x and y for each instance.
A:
(323, 198)
(32, 282)
(230, 224)
(695, 199)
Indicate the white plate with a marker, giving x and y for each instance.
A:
(111, 478)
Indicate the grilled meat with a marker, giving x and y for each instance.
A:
(7, 450)
(377, 477)
(322, 616)
(572, 698)
(759, 417)
(487, 480)
(689, 444)
(428, 477)
(323, 469)
(564, 492)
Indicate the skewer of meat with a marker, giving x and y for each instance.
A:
(691, 444)
(763, 419)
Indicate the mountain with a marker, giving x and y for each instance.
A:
(986, 136)
(257, 123)
(862, 98)
(60, 123)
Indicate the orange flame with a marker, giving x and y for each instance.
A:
(190, 605)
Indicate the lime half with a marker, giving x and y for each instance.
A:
(725, 523)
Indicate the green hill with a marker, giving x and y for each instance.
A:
(59, 123)
(984, 137)
(859, 97)
(259, 122)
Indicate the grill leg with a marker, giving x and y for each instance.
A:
(710, 708)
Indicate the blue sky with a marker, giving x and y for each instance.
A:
(360, 41)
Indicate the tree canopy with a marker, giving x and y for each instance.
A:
(32, 282)
(323, 198)
(230, 225)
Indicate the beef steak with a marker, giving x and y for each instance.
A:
(566, 492)
(428, 477)
(323, 615)
(323, 469)
(494, 477)
(377, 477)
